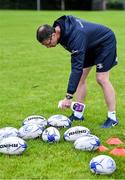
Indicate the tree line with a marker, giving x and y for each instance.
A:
(62, 4)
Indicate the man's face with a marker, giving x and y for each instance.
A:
(51, 41)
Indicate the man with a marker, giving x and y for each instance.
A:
(90, 44)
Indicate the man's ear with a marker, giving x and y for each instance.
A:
(54, 34)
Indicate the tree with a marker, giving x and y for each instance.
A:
(103, 4)
(62, 4)
(114, 1)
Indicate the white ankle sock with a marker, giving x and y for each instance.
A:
(78, 114)
(112, 115)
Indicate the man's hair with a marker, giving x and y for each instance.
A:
(44, 32)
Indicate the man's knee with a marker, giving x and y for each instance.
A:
(101, 80)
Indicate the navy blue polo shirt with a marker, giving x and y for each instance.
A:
(79, 36)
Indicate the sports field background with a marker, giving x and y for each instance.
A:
(32, 81)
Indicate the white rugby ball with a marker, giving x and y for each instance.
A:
(12, 145)
(30, 131)
(59, 121)
(87, 143)
(8, 132)
(75, 132)
(102, 164)
(35, 119)
(51, 134)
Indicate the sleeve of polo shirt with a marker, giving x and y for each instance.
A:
(78, 46)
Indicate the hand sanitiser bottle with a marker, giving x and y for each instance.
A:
(75, 106)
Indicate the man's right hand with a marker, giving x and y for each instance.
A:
(65, 103)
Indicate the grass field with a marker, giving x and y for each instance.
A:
(32, 81)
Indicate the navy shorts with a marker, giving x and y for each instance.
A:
(104, 56)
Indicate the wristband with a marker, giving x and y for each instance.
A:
(69, 96)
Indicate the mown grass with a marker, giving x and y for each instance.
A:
(32, 81)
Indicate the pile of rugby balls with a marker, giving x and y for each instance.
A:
(12, 141)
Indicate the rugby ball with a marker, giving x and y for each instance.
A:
(30, 131)
(35, 119)
(8, 132)
(12, 145)
(87, 143)
(51, 134)
(102, 164)
(75, 132)
(59, 121)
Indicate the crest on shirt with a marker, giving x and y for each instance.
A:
(74, 51)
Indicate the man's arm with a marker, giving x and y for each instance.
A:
(77, 62)
(78, 48)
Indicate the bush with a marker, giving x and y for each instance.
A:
(115, 4)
